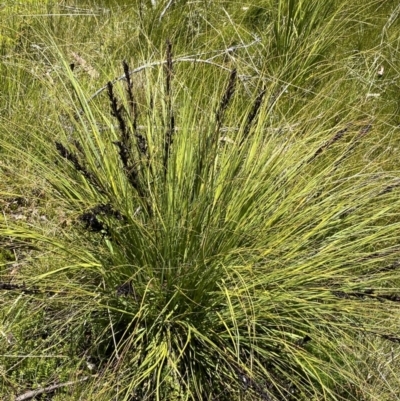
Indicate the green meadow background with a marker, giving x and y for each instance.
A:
(199, 200)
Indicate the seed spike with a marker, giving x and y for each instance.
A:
(226, 98)
(70, 156)
(253, 114)
(116, 111)
(331, 141)
(170, 116)
(169, 67)
(131, 98)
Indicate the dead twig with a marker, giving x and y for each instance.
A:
(45, 390)
(166, 9)
(191, 59)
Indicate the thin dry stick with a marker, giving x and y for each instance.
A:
(191, 59)
(166, 9)
(154, 64)
(113, 335)
(45, 390)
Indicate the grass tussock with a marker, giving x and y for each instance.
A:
(219, 222)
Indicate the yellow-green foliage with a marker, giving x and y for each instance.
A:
(237, 238)
(16, 16)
